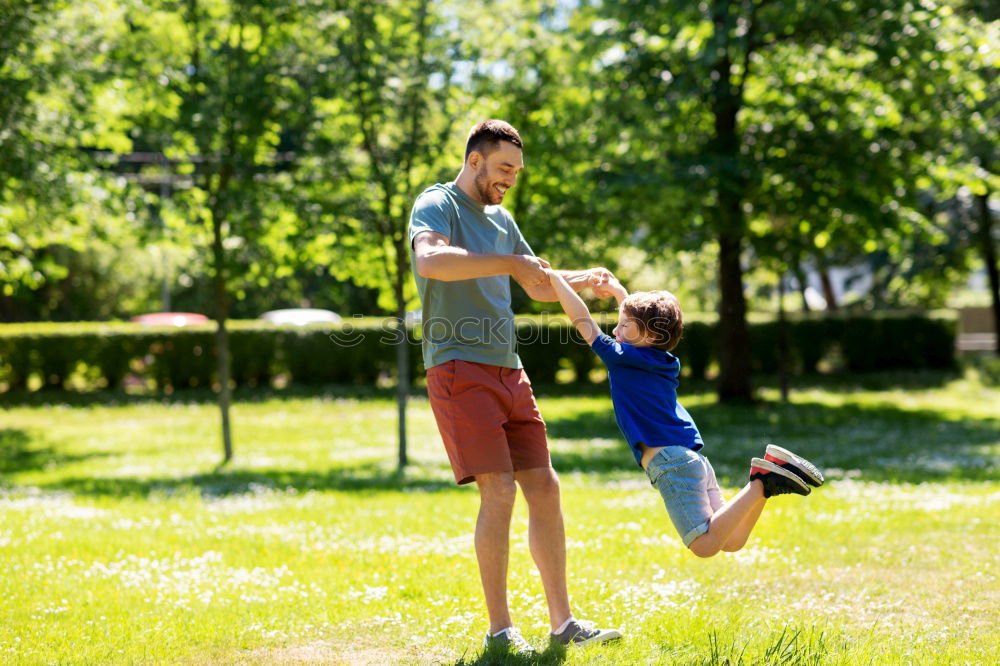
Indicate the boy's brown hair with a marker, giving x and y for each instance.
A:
(658, 313)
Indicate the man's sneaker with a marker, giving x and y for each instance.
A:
(776, 479)
(805, 469)
(578, 634)
(508, 640)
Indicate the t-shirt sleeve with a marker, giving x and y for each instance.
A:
(615, 353)
(432, 211)
(520, 245)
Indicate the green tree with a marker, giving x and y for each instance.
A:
(386, 121)
(533, 76)
(227, 75)
(970, 136)
(777, 119)
(60, 104)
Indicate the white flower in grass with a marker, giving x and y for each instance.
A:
(369, 593)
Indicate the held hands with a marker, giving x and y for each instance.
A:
(604, 283)
(530, 271)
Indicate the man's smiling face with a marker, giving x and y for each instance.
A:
(497, 172)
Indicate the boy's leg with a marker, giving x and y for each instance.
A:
(802, 468)
(496, 494)
(728, 521)
(726, 529)
(738, 538)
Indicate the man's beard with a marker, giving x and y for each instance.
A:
(487, 193)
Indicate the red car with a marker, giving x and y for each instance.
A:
(170, 319)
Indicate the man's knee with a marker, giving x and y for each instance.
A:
(540, 486)
(497, 490)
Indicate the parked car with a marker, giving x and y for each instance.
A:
(301, 316)
(170, 319)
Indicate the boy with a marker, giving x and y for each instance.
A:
(643, 375)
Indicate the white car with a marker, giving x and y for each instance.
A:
(301, 316)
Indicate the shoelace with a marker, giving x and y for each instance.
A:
(518, 640)
(514, 636)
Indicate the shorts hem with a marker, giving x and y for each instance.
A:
(469, 477)
(695, 533)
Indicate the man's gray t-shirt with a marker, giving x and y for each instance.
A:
(469, 320)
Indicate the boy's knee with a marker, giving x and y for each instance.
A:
(733, 547)
(703, 547)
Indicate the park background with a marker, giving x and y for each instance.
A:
(815, 181)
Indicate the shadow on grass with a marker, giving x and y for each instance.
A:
(553, 655)
(20, 452)
(846, 382)
(835, 383)
(224, 483)
(872, 443)
(197, 396)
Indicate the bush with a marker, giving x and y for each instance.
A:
(359, 353)
(985, 367)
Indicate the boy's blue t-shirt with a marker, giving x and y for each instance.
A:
(644, 392)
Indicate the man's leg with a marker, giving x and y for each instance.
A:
(496, 501)
(547, 537)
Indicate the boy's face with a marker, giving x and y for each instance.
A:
(628, 330)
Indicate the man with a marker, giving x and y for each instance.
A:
(465, 248)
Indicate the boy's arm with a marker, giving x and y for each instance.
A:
(574, 307)
(611, 288)
(577, 281)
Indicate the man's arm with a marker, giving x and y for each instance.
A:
(577, 281)
(574, 307)
(436, 259)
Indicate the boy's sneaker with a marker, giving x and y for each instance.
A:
(508, 640)
(776, 479)
(578, 634)
(805, 469)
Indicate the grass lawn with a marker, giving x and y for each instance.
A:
(121, 543)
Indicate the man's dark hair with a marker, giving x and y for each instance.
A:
(487, 135)
(657, 313)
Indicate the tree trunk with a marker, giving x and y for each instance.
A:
(990, 259)
(734, 337)
(782, 340)
(800, 277)
(402, 352)
(828, 293)
(221, 334)
(726, 100)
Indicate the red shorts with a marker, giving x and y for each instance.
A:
(488, 418)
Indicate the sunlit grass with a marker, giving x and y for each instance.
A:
(121, 543)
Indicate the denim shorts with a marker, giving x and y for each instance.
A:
(690, 491)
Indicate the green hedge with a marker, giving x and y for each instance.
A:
(108, 355)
